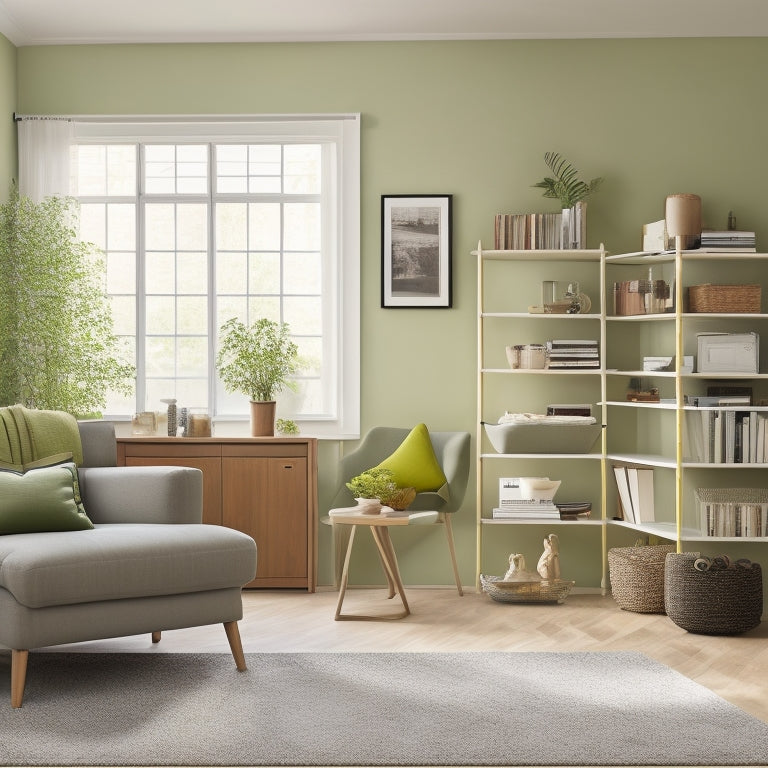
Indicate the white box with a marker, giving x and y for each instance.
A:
(728, 352)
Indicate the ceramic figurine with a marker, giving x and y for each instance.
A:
(549, 562)
(517, 570)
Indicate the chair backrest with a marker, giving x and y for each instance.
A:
(451, 450)
(99, 443)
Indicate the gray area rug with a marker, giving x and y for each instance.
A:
(365, 709)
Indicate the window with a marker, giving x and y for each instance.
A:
(201, 222)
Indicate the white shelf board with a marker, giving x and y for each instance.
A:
(539, 456)
(722, 465)
(646, 374)
(665, 530)
(633, 404)
(542, 315)
(645, 459)
(666, 316)
(544, 371)
(741, 539)
(541, 255)
(540, 521)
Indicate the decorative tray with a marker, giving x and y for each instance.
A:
(544, 591)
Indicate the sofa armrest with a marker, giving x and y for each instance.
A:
(142, 494)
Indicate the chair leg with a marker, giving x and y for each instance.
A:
(156, 637)
(452, 549)
(18, 676)
(233, 635)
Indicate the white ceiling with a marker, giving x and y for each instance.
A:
(61, 22)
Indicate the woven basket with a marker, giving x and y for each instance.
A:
(552, 591)
(723, 298)
(720, 601)
(637, 577)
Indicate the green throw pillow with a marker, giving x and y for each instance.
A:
(414, 464)
(41, 499)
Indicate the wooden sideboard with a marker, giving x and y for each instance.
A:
(265, 487)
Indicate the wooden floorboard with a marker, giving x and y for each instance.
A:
(293, 621)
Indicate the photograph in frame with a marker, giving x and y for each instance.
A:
(416, 251)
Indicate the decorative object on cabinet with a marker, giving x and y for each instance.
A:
(712, 597)
(683, 218)
(265, 487)
(640, 297)
(637, 577)
(724, 298)
(452, 452)
(416, 233)
(286, 427)
(258, 361)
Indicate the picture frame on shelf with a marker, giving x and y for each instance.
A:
(416, 251)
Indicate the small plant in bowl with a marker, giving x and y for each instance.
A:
(286, 427)
(378, 483)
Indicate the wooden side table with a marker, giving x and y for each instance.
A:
(379, 526)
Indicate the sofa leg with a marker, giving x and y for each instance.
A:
(233, 635)
(18, 676)
(156, 637)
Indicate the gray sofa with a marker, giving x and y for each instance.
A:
(149, 564)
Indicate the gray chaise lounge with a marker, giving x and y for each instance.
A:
(148, 565)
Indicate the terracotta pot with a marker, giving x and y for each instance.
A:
(262, 418)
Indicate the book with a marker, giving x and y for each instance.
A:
(641, 493)
(564, 409)
(622, 483)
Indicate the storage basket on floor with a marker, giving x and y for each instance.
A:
(718, 601)
(724, 298)
(637, 577)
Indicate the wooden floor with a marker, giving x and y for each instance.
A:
(292, 621)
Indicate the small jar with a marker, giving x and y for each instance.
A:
(198, 423)
(533, 356)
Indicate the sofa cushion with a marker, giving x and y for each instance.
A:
(115, 561)
(35, 497)
(414, 464)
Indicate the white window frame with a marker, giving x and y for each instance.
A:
(341, 283)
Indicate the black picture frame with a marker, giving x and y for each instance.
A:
(416, 251)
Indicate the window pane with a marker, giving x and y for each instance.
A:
(93, 224)
(231, 226)
(264, 272)
(192, 227)
(161, 356)
(121, 169)
(192, 314)
(192, 273)
(161, 314)
(160, 226)
(91, 170)
(303, 315)
(302, 168)
(302, 226)
(264, 226)
(121, 226)
(231, 306)
(264, 306)
(192, 357)
(160, 272)
(124, 315)
(301, 273)
(231, 273)
(121, 272)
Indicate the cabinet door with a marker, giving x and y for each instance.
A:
(211, 469)
(266, 497)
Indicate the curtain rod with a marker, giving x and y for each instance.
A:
(186, 118)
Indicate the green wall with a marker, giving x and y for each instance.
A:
(472, 119)
(8, 100)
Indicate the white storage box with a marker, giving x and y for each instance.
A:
(728, 352)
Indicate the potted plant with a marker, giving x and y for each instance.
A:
(379, 484)
(58, 348)
(257, 360)
(566, 187)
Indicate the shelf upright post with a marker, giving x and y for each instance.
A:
(479, 446)
(679, 412)
(603, 421)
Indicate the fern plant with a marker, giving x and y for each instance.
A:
(565, 186)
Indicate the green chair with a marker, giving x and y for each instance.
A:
(452, 453)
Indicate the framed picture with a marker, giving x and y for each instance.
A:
(416, 251)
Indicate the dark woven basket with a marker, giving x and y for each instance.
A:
(637, 577)
(720, 601)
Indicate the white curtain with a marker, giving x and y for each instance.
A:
(44, 147)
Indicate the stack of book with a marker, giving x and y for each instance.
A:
(513, 507)
(573, 353)
(728, 241)
(528, 231)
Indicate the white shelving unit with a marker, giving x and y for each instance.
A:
(508, 282)
(642, 434)
(676, 473)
